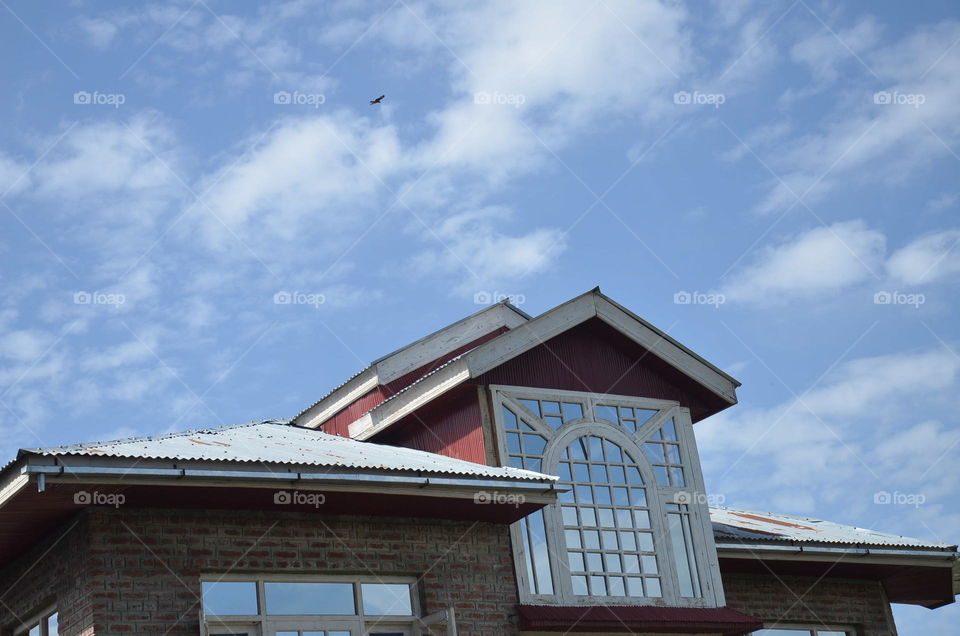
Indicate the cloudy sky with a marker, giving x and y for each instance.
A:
(204, 222)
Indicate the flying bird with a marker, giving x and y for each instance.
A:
(377, 100)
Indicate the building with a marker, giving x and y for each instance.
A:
(504, 475)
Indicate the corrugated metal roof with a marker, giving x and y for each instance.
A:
(768, 526)
(279, 442)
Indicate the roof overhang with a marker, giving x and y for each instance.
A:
(41, 492)
(909, 575)
(533, 333)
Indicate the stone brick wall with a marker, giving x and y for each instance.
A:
(113, 572)
(860, 603)
(52, 572)
(146, 564)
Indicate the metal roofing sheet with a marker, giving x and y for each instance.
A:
(277, 442)
(768, 526)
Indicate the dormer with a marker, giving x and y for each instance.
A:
(587, 391)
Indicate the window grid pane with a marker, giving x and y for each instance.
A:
(610, 547)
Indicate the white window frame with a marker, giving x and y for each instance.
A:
(263, 624)
(692, 493)
(40, 619)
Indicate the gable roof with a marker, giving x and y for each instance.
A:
(528, 335)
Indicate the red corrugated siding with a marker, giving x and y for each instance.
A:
(595, 357)
(449, 426)
(337, 425)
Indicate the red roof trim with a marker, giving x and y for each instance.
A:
(629, 619)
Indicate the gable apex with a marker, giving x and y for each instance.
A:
(532, 333)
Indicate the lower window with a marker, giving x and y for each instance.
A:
(310, 606)
(45, 624)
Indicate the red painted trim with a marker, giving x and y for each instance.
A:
(632, 619)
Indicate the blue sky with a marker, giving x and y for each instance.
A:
(774, 183)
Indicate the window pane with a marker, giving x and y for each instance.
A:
(572, 411)
(53, 625)
(533, 405)
(34, 631)
(541, 555)
(386, 599)
(683, 555)
(226, 598)
(310, 598)
(608, 413)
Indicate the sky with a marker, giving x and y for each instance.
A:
(204, 222)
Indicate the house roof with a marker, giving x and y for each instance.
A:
(748, 526)
(279, 442)
(523, 337)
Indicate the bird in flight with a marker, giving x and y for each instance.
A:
(377, 100)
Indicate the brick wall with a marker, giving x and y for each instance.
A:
(860, 603)
(146, 564)
(52, 572)
(123, 571)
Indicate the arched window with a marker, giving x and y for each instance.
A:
(606, 521)
(631, 524)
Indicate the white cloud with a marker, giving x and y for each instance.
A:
(823, 52)
(109, 158)
(476, 244)
(866, 428)
(927, 260)
(864, 141)
(820, 261)
(313, 174)
(99, 32)
(570, 64)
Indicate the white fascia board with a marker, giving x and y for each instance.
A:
(13, 485)
(413, 356)
(880, 556)
(339, 399)
(408, 401)
(442, 342)
(668, 349)
(531, 334)
(485, 357)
